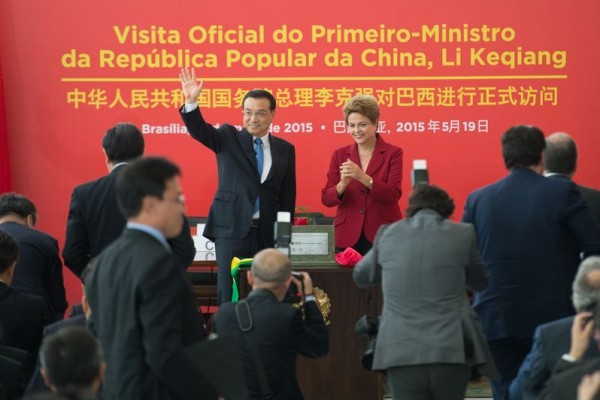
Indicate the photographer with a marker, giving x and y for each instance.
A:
(271, 333)
(427, 340)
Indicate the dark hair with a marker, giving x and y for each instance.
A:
(123, 142)
(430, 197)
(72, 358)
(9, 250)
(14, 203)
(144, 177)
(560, 155)
(522, 146)
(261, 94)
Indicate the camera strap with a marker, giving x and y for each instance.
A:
(374, 273)
(245, 323)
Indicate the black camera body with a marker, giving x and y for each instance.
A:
(368, 326)
(294, 293)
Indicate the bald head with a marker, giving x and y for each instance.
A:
(560, 155)
(271, 269)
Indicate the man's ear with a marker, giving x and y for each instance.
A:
(148, 205)
(250, 277)
(29, 221)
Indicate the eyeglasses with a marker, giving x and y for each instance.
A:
(258, 114)
(358, 127)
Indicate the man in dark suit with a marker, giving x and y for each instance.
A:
(552, 340)
(143, 309)
(245, 206)
(560, 162)
(572, 366)
(72, 363)
(530, 232)
(39, 269)
(277, 332)
(22, 316)
(94, 218)
(77, 318)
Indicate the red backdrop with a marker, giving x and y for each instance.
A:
(451, 77)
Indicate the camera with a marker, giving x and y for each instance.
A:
(294, 293)
(368, 326)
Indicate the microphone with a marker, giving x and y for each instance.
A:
(282, 232)
(419, 174)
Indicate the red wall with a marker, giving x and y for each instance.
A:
(57, 110)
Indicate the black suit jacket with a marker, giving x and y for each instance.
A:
(530, 232)
(39, 269)
(36, 382)
(550, 342)
(280, 334)
(144, 313)
(239, 184)
(22, 319)
(591, 197)
(564, 382)
(95, 221)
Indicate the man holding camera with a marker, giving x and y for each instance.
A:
(270, 332)
(428, 339)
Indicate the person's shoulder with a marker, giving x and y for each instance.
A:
(44, 237)
(77, 320)
(280, 141)
(88, 190)
(88, 185)
(382, 143)
(31, 302)
(483, 190)
(342, 151)
(553, 329)
(588, 191)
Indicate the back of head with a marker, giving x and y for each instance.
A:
(363, 104)
(271, 268)
(17, 204)
(431, 197)
(522, 146)
(586, 285)
(261, 94)
(123, 142)
(9, 251)
(145, 177)
(71, 359)
(560, 155)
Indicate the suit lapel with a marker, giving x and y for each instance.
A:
(276, 155)
(352, 154)
(246, 143)
(377, 158)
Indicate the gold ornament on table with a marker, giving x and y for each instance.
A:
(323, 302)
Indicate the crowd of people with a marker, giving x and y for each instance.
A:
(526, 249)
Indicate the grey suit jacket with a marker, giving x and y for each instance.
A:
(425, 264)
